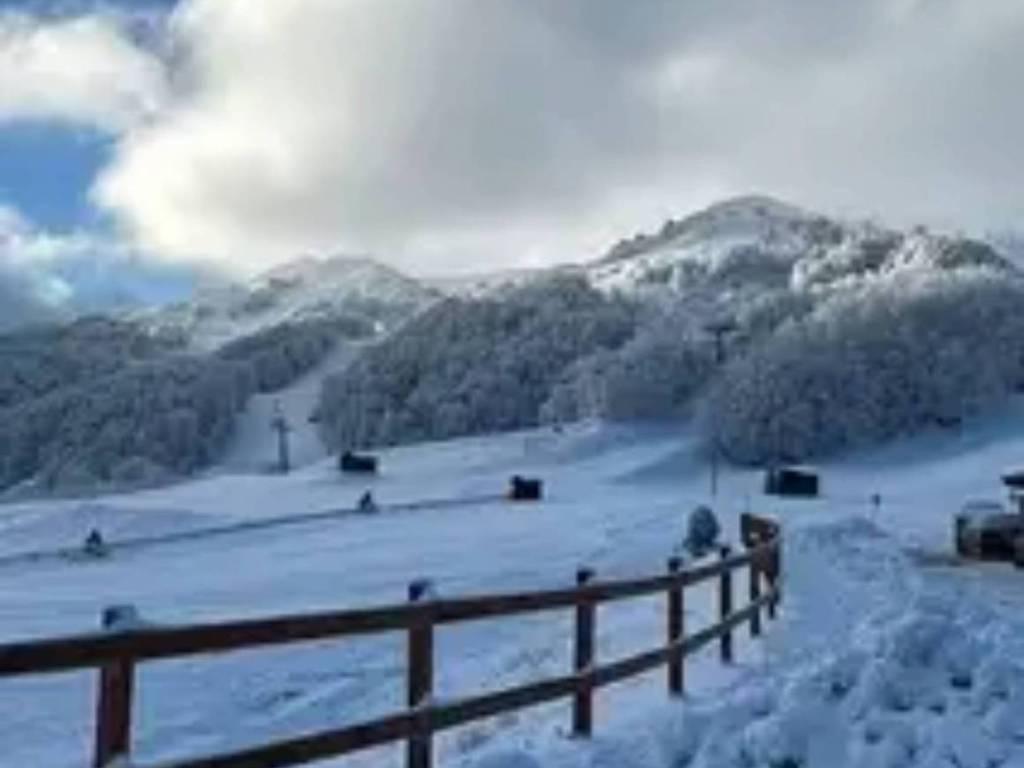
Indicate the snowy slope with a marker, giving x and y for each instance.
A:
(864, 669)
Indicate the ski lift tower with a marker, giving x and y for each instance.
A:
(281, 426)
(719, 329)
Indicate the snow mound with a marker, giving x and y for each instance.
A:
(932, 688)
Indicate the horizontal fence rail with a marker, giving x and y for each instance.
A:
(116, 653)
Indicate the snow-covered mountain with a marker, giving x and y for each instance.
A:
(750, 244)
(309, 288)
(153, 395)
(840, 327)
(819, 305)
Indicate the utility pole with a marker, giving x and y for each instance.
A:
(718, 329)
(280, 425)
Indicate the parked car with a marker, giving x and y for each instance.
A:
(985, 530)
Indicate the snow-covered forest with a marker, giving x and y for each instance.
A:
(896, 354)
(281, 353)
(103, 402)
(38, 360)
(472, 365)
(139, 425)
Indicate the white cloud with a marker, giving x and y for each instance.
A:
(83, 70)
(27, 293)
(48, 276)
(458, 134)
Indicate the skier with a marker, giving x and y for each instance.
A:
(367, 504)
(94, 545)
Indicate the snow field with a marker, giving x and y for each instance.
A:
(875, 660)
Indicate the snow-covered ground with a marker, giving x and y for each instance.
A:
(877, 659)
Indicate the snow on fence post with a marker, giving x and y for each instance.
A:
(583, 701)
(420, 677)
(754, 571)
(725, 606)
(675, 629)
(114, 698)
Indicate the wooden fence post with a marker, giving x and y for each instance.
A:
(583, 701)
(114, 700)
(675, 630)
(725, 606)
(775, 568)
(420, 678)
(754, 571)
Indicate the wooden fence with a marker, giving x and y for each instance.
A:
(117, 653)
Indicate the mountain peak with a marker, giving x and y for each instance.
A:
(753, 205)
(741, 216)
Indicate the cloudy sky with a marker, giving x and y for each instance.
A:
(140, 138)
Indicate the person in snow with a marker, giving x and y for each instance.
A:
(94, 545)
(702, 531)
(367, 504)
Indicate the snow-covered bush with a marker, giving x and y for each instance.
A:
(908, 349)
(472, 365)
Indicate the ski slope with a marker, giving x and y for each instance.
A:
(253, 448)
(861, 670)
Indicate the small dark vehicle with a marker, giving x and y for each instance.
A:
(525, 488)
(984, 530)
(359, 463)
(790, 481)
